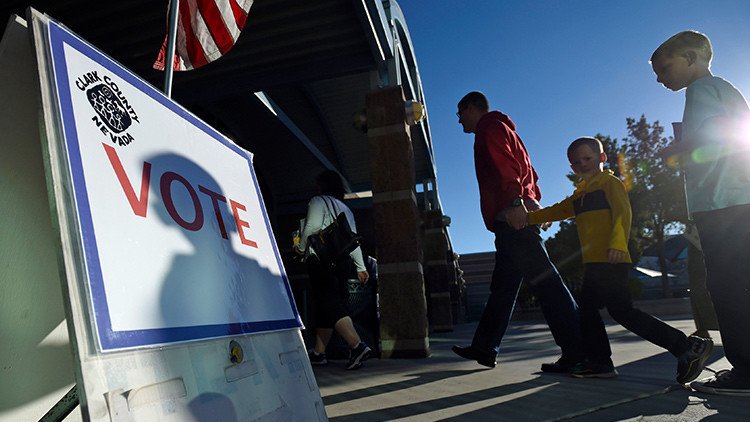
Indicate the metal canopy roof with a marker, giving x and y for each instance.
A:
(313, 61)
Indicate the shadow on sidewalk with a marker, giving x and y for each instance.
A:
(542, 397)
(419, 379)
(447, 387)
(436, 404)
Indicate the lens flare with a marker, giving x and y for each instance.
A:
(673, 161)
(706, 154)
(625, 172)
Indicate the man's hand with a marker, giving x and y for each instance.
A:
(517, 216)
(615, 256)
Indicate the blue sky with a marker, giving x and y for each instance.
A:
(560, 70)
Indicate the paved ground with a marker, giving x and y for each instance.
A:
(446, 387)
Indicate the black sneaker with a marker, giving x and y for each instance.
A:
(561, 366)
(725, 383)
(702, 334)
(317, 358)
(468, 352)
(358, 355)
(588, 369)
(690, 364)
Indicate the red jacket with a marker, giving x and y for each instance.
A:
(503, 166)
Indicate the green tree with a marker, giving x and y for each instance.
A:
(655, 189)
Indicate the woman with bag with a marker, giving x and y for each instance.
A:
(328, 277)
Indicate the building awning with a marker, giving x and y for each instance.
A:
(288, 89)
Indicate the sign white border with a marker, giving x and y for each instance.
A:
(110, 338)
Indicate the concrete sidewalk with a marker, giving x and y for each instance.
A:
(446, 387)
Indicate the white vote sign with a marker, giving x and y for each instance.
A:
(176, 241)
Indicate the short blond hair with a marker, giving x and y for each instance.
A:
(683, 42)
(589, 141)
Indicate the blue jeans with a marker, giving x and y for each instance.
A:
(725, 239)
(521, 256)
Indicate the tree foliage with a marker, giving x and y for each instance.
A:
(655, 191)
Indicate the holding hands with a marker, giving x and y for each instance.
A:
(517, 217)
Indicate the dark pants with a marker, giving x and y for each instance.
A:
(521, 256)
(329, 292)
(606, 285)
(725, 239)
(700, 300)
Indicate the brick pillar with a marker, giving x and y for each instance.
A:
(403, 308)
(439, 275)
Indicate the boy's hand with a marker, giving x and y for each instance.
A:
(615, 256)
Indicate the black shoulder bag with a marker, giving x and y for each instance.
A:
(336, 241)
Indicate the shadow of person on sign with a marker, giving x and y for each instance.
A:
(221, 277)
(224, 277)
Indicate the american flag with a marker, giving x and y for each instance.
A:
(206, 30)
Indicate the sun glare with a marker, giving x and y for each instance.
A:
(737, 140)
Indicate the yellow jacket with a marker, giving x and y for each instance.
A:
(602, 212)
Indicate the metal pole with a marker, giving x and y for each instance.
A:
(171, 40)
(62, 408)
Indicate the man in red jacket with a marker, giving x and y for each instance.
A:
(507, 188)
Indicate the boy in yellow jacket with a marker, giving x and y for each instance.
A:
(601, 208)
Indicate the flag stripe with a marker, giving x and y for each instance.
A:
(193, 48)
(206, 30)
(240, 15)
(203, 36)
(181, 57)
(215, 27)
(230, 23)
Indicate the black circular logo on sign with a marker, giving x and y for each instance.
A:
(109, 108)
